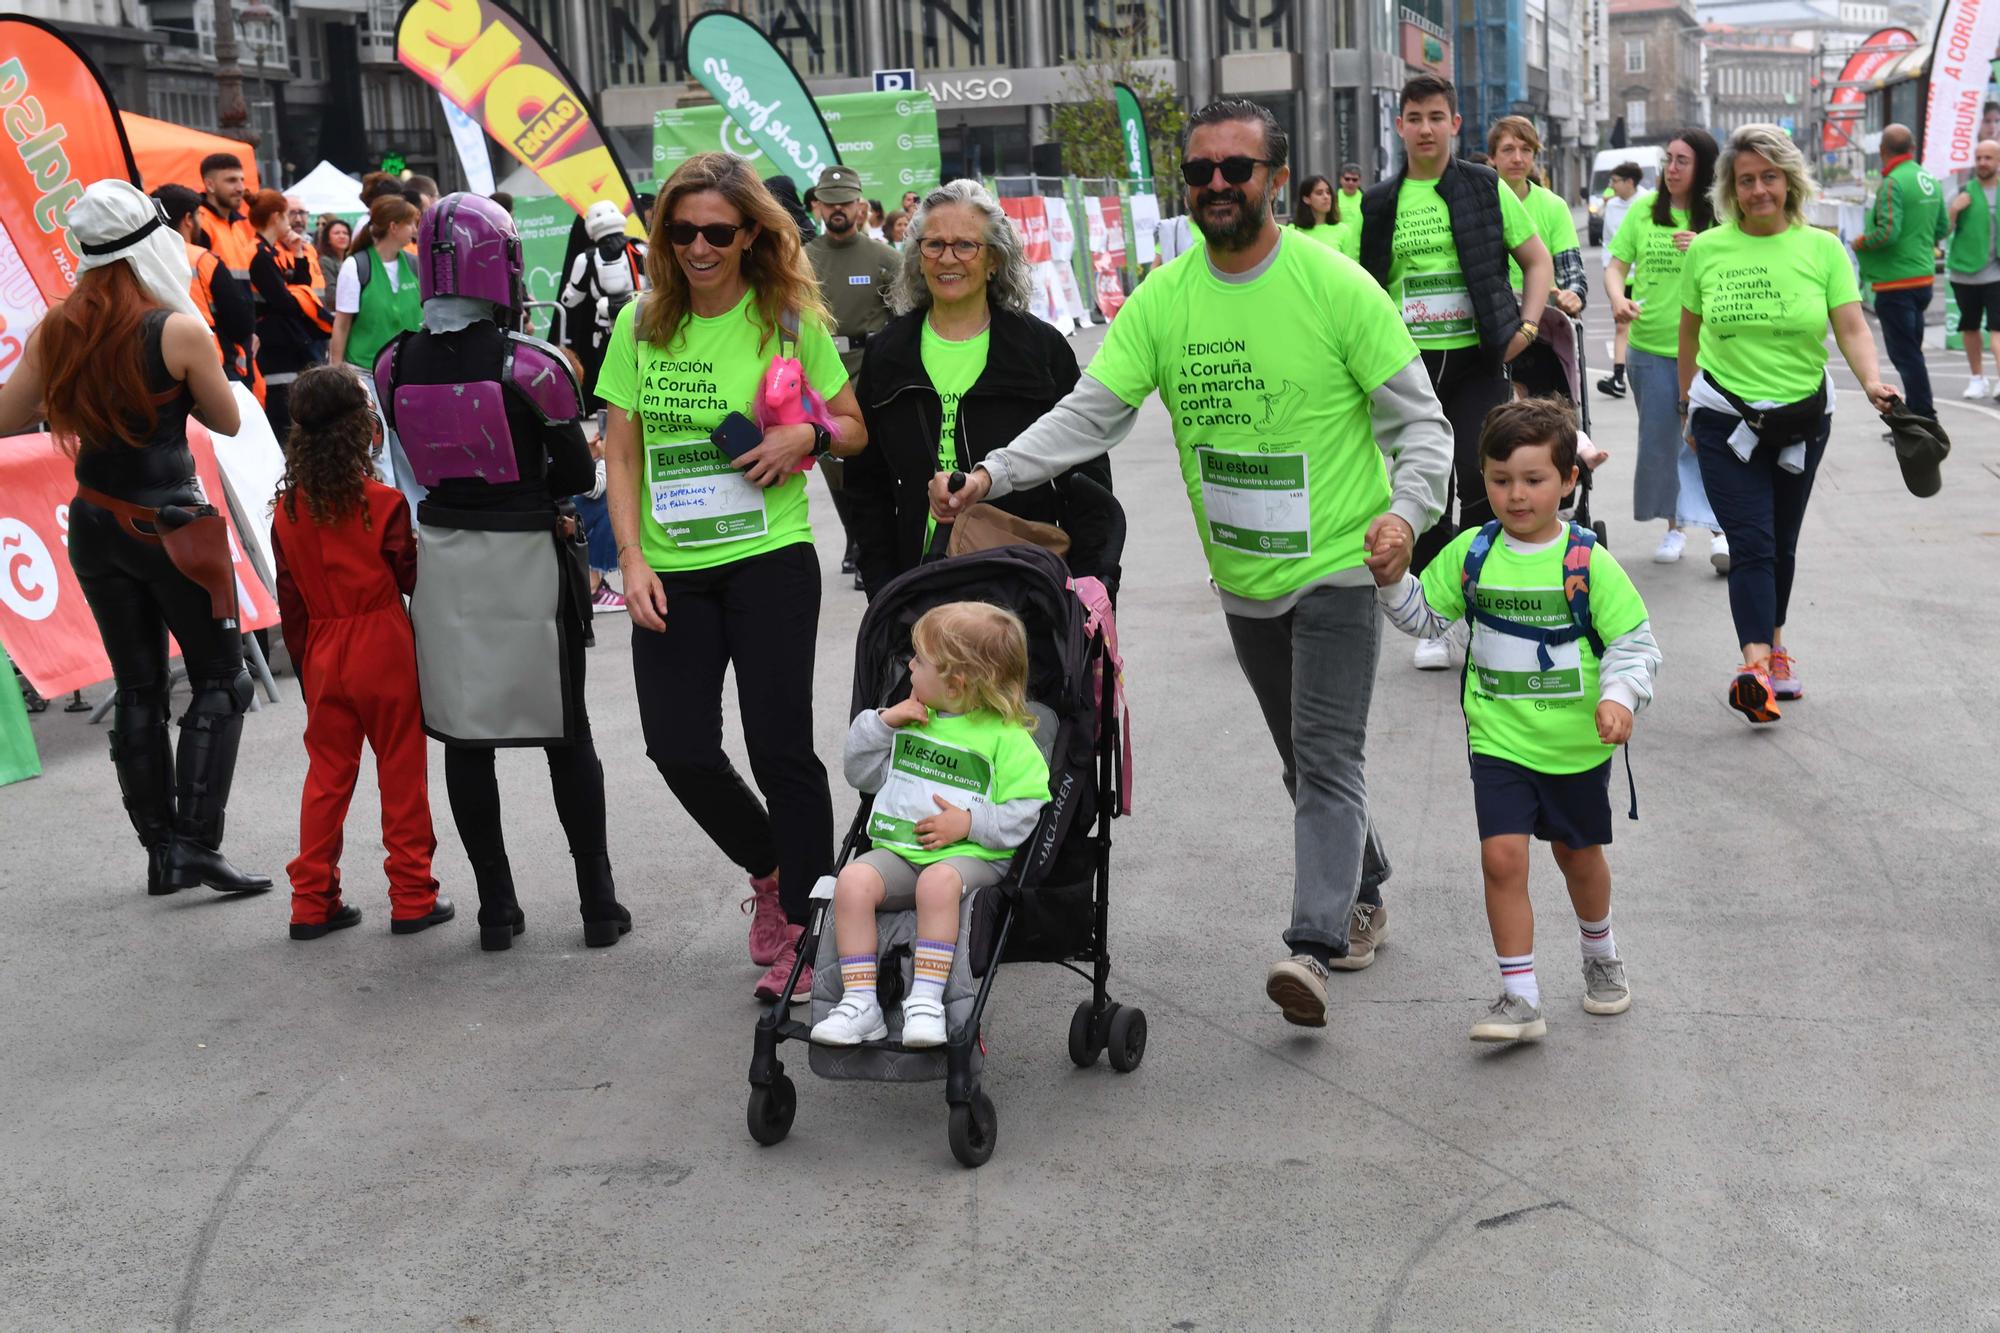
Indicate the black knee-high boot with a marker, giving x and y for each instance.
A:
(142, 753)
(210, 733)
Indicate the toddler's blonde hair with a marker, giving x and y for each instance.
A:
(985, 645)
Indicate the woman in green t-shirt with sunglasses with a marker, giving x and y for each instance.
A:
(1758, 294)
(716, 551)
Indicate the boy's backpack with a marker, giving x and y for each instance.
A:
(1576, 587)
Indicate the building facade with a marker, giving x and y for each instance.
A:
(1655, 69)
(1760, 75)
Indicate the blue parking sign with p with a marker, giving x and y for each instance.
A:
(895, 80)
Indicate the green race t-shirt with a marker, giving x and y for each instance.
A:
(1424, 274)
(696, 511)
(1763, 302)
(1543, 720)
(953, 368)
(1343, 236)
(1552, 223)
(1655, 279)
(1267, 383)
(970, 759)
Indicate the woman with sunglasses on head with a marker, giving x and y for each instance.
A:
(961, 371)
(715, 546)
(116, 368)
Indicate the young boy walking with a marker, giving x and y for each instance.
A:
(1562, 657)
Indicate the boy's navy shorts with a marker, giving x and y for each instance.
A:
(1573, 809)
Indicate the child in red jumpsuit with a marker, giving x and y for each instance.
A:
(345, 557)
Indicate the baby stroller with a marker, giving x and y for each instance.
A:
(1052, 904)
(1564, 337)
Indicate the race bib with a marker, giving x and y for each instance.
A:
(920, 768)
(699, 499)
(1437, 305)
(1257, 503)
(1505, 666)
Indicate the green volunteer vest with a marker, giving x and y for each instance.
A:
(1970, 246)
(385, 311)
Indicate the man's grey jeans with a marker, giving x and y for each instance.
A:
(1313, 672)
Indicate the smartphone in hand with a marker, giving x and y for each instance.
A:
(736, 436)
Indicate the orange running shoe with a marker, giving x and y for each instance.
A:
(1785, 682)
(1750, 694)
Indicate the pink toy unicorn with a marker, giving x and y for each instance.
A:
(786, 399)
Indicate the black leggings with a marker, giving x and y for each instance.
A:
(762, 616)
(1470, 382)
(574, 772)
(138, 598)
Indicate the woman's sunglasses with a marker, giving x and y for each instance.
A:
(718, 234)
(1198, 171)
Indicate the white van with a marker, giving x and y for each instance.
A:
(1648, 156)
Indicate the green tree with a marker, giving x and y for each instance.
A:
(1085, 123)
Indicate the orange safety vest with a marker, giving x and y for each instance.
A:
(232, 239)
(243, 367)
(309, 293)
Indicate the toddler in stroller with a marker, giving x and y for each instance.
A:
(958, 785)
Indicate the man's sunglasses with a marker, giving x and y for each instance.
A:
(1199, 171)
(718, 234)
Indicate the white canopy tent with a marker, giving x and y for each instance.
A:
(328, 189)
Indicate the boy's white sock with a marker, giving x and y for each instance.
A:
(1518, 976)
(933, 968)
(1597, 941)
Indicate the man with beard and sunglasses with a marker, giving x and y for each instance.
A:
(1437, 235)
(1314, 452)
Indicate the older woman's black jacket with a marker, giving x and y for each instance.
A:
(1029, 368)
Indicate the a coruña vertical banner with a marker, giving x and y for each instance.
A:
(62, 133)
(735, 61)
(1961, 58)
(493, 66)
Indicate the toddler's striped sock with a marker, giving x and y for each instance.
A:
(1597, 941)
(933, 959)
(1518, 976)
(857, 973)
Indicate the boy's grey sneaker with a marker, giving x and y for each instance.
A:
(1510, 1018)
(1298, 986)
(1604, 987)
(1366, 930)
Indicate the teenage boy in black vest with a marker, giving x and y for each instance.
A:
(1436, 236)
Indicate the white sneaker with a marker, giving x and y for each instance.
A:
(857, 1018)
(1718, 553)
(1433, 654)
(1978, 387)
(1670, 547)
(923, 1023)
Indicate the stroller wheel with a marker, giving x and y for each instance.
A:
(1128, 1038)
(772, 1109)
(1598, 529)
(974, 1127)
(1083, 1050)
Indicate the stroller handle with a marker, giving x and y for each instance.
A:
(956, 483)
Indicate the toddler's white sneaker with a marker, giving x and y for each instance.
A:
(857, 1018)
(923, 1023)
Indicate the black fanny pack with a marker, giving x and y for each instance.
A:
(1779, 427)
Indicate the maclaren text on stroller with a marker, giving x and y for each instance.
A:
(1052, 904)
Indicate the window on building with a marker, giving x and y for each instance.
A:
(1635, 55)
(1635, 118)
(1256, 25)
(1537, 42)
(1103, 30)
(955, 34)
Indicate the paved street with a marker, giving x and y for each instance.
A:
(206, 1125)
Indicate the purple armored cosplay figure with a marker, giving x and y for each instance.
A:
(489, 419)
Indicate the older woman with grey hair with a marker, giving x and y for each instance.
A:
(961, 371)
(1758, 294)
